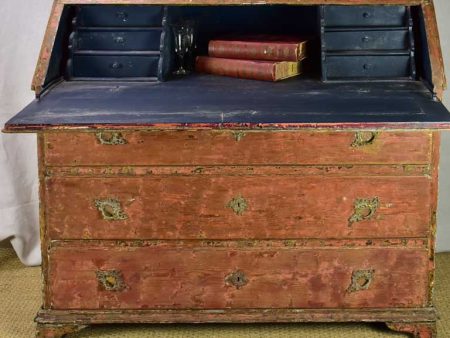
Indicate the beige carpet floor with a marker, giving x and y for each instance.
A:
(20, 300)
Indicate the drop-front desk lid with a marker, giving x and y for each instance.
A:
(83, 34)
(208, 101)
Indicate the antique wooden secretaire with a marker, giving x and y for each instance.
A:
(204, 198)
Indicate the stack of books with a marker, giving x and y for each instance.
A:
(268, 58)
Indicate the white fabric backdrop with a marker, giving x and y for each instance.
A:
(21, 32)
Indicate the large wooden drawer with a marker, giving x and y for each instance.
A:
(220, 207)
(202, 147)
(172, 276)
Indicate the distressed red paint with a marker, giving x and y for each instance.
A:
(206, 147)
(182, 207)
(196, 278)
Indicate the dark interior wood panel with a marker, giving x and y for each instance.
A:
(219, 101)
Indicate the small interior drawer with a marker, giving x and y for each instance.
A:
(368, 66)
(364, 16)
(122, 40)
(171, 276)
(114, 66)
(119, 16)
(366, 40)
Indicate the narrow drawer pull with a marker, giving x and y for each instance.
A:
(365, 38)
(111, 280)
(364, 138)
(361, 280)
(123, 16)
(238, 204)
(237, 279)
(111, 209)
(367, 15)
(367, 66)
(364, 209)
(110, 138)
(116, 65)
(119, 39)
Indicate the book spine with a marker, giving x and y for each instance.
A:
(255, 50)
(243, 69)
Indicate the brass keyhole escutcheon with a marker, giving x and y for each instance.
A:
(238, 204)
(111, 139)
(110, 280)
(110, 209)
(364, 209)
(237, 279)
(364, 138)
(361, 280)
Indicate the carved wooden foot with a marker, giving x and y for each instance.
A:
(417, 330)
(56, 331)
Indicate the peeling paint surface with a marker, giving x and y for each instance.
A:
(196, 278)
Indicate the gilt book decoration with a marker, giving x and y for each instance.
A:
(248, 69)
(263, 47)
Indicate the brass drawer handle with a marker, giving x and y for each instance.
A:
(111, 209)
(364, 138)
(238, 204)
(237, 278)
(361, 280)
(111, 280)
(364, 209)
(110, 138)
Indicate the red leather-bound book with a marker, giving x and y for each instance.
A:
(248, 69)
(270, 48)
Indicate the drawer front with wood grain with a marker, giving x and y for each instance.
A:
(204, 147)
(367, 40)
(223, 207)
(174, 276)
(120, 16)
(365, 16)
(140, 39)
(368, 66)
(115, 66)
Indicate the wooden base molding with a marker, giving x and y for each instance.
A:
(422, 315)
(425, 327)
